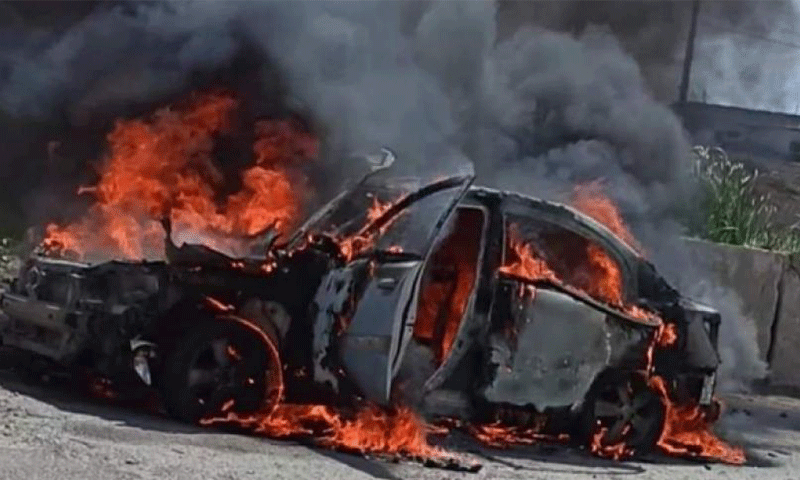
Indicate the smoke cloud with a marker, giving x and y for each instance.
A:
(745, 52)
(538, 96)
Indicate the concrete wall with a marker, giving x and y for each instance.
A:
(785, 364)
(768, 285)
(755, 275)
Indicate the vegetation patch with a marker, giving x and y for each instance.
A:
(729, 210)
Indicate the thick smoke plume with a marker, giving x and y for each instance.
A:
(534, 107)
(745, 52)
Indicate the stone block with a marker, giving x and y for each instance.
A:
(753, 274)
(785, 361)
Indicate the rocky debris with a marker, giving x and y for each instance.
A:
(10, 260)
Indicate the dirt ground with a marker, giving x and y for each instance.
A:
(52, 431)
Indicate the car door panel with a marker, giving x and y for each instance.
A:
(551, 351)
(371, 344)
(379, 317)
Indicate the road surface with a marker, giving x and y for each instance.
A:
(48, 431)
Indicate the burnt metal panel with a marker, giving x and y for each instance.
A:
(329, 303)
(699, 351)
(372, 346)
(555, 348)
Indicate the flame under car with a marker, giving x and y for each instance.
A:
(397, 291)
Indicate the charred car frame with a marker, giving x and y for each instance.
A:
(410, 304)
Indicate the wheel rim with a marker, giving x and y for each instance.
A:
(226, 374)
(630, 413)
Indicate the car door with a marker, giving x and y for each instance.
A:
(379, 313)
(557, 315)
(552, 347)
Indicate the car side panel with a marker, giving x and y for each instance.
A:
(554, 348)
(551, 346)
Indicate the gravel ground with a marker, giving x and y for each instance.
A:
(49, 431)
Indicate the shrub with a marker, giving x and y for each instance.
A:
(729, 209)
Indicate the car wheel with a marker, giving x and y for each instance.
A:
(629, 411)
(224, 365)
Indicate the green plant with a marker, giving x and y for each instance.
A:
(729, 209)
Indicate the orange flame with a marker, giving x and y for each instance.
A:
(667, 335)
(443, 301)
(601, 277)
(164, 165)
(370, 431)
(687, 431)
(606, 280)
(377, 209)
(357, 243)
(498, 435)
(590, 200)
(527, 264)
(616, 451)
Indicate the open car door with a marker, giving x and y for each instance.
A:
(382, 287)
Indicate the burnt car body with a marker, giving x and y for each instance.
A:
(416, 309)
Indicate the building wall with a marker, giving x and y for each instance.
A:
(752, 134)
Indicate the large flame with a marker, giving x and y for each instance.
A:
(687, 428)
(369, 430)
(449, 281)
(165, 165)
(590, 199)
(687, 431)
(597, 275)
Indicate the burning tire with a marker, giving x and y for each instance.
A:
(224, 365)
(620, 409)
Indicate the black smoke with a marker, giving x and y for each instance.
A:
(538, 96)
(743, 52)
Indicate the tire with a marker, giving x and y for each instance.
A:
(224, 365)
(623, 404)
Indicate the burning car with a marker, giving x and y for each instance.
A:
(466, 302)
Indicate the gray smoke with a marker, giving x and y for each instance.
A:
(548, 86)
(351, 64)
(348, 62)
(535, 110)
(745, 53)
(738, 347)
(112, 56)
(752, 62)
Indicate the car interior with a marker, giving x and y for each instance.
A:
(450, 273)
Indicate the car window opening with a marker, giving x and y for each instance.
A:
(577, 261)
(448, 281)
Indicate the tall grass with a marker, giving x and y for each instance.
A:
(729, 209)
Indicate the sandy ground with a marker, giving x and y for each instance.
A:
(49, 431)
